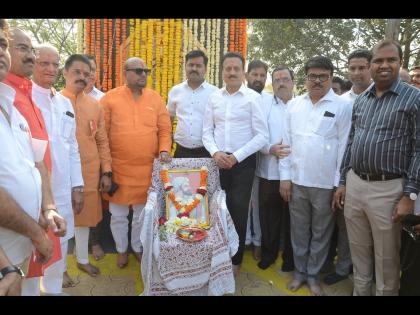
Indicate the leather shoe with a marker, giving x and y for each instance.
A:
(333, 278)
(264, 264)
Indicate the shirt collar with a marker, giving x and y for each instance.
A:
(65, 92)
(7, 97)
(19, 82)
(51, 91)
(395, 88)
(330, 96)
(278, 100)
(202, 85)
(241, 90)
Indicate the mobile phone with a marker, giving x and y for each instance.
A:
(114, 188)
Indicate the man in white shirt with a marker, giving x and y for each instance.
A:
(274, 211)
(256, 77)
(234, 130)
(19, 213)
(358, 63)
(317, 128)
(187, 101)
(95, 232)
(66, 175)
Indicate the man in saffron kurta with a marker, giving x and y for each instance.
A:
(139, 130)
(94, 154)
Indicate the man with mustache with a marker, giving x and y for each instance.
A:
(317, 127)
(19, 212)
(187, 102)
(139, 129)
(256, 77)
(22, 66)
(274, 211)
(95, 232)
(380, 172)
(234, 130)
(94, 155)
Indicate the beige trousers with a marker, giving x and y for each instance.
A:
(373, 237)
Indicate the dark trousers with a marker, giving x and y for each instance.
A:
(237, 183)
(182, 152)
(410, 266)
(274, 221)
(95, 235)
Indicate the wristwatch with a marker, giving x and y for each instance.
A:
(413, 196)
(78, 189)
(9, 269)
(109, 174)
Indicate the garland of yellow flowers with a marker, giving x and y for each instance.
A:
(185, 209)
(158, 83)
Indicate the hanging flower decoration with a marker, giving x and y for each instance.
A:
(162, 44)
(185, 207)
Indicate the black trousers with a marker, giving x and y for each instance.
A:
(410, 266)
(237, 183)
(274, 221)
(182, 152)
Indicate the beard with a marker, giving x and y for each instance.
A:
(257, 87)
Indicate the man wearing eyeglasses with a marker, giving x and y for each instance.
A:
(317, 127)
(139, 129)
(22, 66)
(94, 155)
(20, 188)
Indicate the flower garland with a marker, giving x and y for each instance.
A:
(217, 59)
(158, 50)
(171, 56)
(185, 209)
(184, 46)
(208, 47)
(175, 38)
(178, 31)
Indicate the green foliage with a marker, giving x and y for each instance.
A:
(60, 33)
(291, 42)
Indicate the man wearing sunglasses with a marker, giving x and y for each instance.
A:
(139, 129)
(317, 127)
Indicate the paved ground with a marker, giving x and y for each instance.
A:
(251, 282)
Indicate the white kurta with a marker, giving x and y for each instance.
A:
(66, 173)
(18, 174)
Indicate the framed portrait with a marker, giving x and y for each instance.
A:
(185, 184)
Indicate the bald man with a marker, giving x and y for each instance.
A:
(139, 129)
(66, 171)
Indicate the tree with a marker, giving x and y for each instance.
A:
(60, 33)
(292, 42)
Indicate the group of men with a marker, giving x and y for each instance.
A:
(289, 162)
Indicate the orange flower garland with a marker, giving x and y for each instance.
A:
(185, 209)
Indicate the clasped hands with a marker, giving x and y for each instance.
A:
(225, 161)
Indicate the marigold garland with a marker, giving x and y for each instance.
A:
(175, 38)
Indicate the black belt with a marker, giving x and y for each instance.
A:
(376, 177)
(199, 149)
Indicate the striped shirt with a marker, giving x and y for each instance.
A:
(385, 135)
